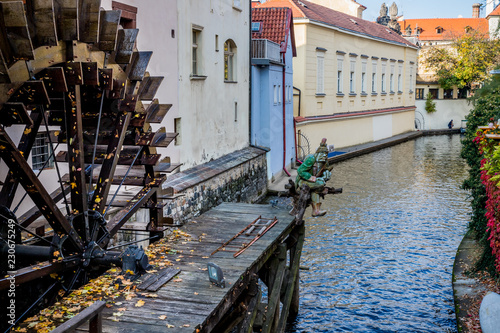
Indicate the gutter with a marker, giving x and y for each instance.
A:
(352, 32)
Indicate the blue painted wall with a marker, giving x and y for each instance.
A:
(267, 114)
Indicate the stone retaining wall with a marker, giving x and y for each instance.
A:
(237, 177)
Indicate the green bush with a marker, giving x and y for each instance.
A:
(430, 106)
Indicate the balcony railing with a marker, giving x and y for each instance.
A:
(265, 49)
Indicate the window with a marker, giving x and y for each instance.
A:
(363, 77)
(320, 73)
(340, 65)
(229, 61)
(129, 14)
(439, 30)
(391, 80)
(411, 79)
(374, 82)
(447, 93)
(177, 129)
(419, 93)
(400, 78)
(352, 77)
(41, 152)
(275, 93)
(196, 52)
(237, 4)
(383, 81)
(279, 94)
(463, 92)
(434, 93)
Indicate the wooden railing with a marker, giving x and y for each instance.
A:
(92, 314)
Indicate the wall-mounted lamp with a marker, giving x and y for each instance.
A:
(215, 275)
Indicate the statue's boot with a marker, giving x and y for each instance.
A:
(316, 210)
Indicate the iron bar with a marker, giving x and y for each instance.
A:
(134, 242)
(123, 179)
(37, 175)
(95, 143)
(55, 162)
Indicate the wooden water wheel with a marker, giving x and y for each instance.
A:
(68, 70)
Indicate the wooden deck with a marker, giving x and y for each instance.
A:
(194, 301)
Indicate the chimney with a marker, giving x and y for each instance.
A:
(475, 10)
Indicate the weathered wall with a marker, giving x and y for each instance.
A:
(238, 177)
(345, 6)
(447, 109)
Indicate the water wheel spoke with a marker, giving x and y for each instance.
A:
(33, 272)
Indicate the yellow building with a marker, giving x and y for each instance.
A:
(355, 78)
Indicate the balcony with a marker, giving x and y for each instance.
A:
(265, 51)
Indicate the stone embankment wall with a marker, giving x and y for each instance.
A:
(240, 176)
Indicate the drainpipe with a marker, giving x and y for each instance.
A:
(295, 122)
(250, 77)
(284, 117)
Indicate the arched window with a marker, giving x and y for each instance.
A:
(229, 61)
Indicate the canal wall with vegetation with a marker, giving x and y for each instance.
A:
(483, 156)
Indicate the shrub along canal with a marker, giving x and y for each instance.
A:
(381, 259)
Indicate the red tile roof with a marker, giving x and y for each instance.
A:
(452, 27)
(495, 12)
(255, 4)
(277, 25)
(339, 20)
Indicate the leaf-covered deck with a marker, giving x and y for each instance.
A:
(189, 299)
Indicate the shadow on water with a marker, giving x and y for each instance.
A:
(381, 259)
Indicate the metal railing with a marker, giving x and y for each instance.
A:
(266, 49)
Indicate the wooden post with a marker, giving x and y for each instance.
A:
(272, 318)
(292, 285)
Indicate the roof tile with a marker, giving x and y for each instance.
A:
(338, 19)
(452, 27)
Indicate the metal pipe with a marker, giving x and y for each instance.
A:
(33, 252)
(284, 115)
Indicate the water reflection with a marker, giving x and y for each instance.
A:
(381, 259)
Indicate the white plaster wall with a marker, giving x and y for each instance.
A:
(207, 107)
(493, 26)
(447, 109)
(345, 6)
(382, 127)
(156, 20)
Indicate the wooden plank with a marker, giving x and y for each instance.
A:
(149, 86)
(109, 21)
(90, 73)
(163, 279)
(16, 27)
(156, 112)
(106, 78)
(89, 20)
(45, 22)
(67, 19)
(15, 114)
(125, 45)
(31, 93)
(159, 138)
(138, 65)
(81, 318)
(54, 80)
(73, 72)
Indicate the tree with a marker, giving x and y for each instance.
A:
(464, 62)
(430, 106)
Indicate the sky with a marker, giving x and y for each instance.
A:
(423, 8)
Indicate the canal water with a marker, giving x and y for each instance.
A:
(381, 259)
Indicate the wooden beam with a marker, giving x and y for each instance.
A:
(271, 322)
(45, 22)
(110, 19)
(125, 45)
(37, 192)
(9, 188)
(16, 26)
(67, 19)
(138, 65)
(292, 281)
(149, 86)
(89, 20)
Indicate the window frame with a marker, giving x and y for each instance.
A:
(320, 73)
(230, 51)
